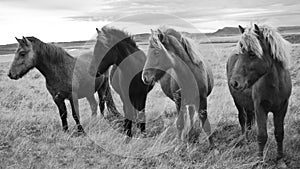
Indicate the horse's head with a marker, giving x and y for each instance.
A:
(159, 60)
(24, 59)
(256, 56)
(187, 123)
(102, 58)
(111, 47)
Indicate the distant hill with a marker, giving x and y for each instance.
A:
(290, 33)
(289, 29)
(227, 31)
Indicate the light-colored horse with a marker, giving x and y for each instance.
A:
(173, 59)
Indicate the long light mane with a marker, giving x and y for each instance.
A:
(192, 50)
(279, 47)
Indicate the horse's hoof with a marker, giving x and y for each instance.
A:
(281, 164)
(127, 139)
(279, 156)
(241, 141)
(211, 145)
(78, 134)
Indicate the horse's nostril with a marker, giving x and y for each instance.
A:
(235, 84)
(9, 75)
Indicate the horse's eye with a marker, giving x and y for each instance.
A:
(156, 52)
(252, 55)
(22, 54)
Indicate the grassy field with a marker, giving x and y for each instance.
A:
(31, 133)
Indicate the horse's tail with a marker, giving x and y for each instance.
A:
(110, 102)
(108, 97)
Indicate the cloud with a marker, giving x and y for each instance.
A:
(139, 15)
(193, 11)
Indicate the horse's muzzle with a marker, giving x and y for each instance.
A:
(13, 76)
(238, 85)
(147, 78)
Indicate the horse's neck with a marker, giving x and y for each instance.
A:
(52, 71)
(187, 82)
(133, 60)
(275, 73)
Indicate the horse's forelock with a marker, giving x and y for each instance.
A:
(250, 42)
(101, 38)
(154, 41)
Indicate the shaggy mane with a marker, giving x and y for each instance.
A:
(188, 44)
(50, 52)
(280, 48)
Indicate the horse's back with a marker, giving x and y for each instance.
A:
(85, 83)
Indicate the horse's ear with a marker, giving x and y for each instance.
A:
(152, 31)
(98, 31)
(19, 40)
(26, 41)
(161, 36)
(256, 29)
(242, 30)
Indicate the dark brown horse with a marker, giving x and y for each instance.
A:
(66, 77)
(116, 47)
(259, 81)
(175, 61)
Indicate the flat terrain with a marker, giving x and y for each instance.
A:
(31, 134)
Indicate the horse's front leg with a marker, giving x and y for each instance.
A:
(128, 112)
(279, 129)
(62, 111)
(204, 120)
(141, 121)
(75, 112)
(261, 120)
(93, 104)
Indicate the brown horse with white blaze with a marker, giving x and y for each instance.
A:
(260, 82)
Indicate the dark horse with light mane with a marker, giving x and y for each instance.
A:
(259, 81)
(66, 77)
(176, 62)
(116, 47)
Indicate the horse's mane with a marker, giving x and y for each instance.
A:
(111, 36)
(280, 48)
(50, 52)
(189, 46)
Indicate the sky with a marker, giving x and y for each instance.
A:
(71, 20)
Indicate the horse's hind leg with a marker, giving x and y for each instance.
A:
(250, 119)
(75, 112)
(141, 120)
(62, 112)
(204, 120)
(140, 104)
(101, 95)
(93, 104)
(279, 129)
